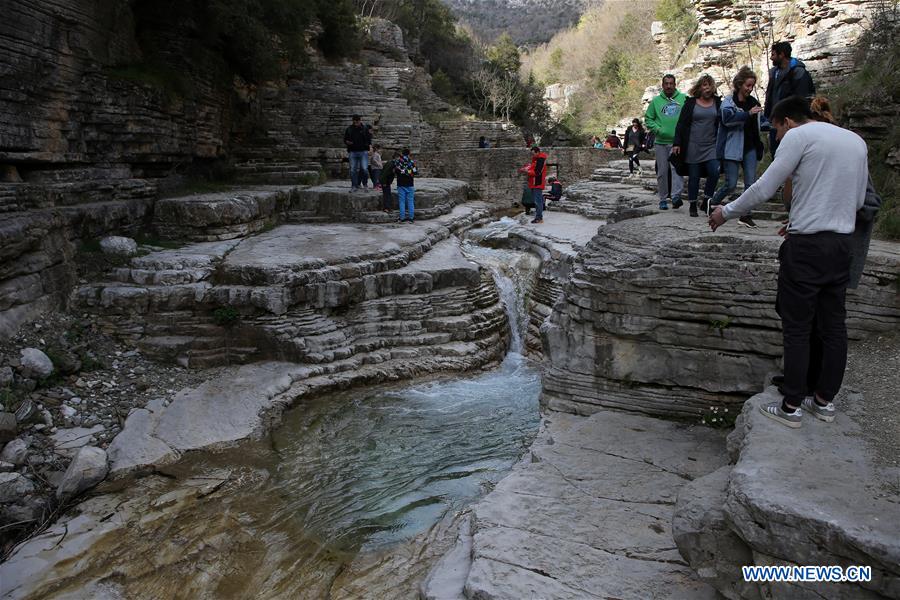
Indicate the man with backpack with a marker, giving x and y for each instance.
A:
(788, 77)
(406, 170)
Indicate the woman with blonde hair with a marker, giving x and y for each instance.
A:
(738, 143)
(695, 139)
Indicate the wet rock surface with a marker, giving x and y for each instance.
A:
(586, 514)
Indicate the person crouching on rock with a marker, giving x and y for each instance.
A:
(537, 174)
(829, 171)
(406, 170)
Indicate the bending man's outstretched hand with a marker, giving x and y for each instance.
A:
(716, 219)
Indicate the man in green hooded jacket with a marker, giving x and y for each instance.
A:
(661, 118)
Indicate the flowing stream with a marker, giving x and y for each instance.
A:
(353, 494)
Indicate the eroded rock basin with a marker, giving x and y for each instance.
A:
(352, 490)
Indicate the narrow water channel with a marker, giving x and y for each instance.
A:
(344, 477)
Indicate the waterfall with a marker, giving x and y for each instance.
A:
(514, 273)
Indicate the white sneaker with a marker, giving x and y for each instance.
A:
(774, 411)
(823, 413)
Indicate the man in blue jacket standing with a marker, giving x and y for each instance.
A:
(788, 77)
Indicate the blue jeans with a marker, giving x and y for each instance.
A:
(359, 164)
(406, 195)
(731, 175)
(538, 197)
(695, 171)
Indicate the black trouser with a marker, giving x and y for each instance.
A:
(812, 285)
(386, 198)
(633, 159)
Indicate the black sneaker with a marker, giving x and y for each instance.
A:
(747, 221)
(704, 206)
(677, 203)
(693, 209)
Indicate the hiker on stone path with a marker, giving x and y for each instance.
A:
(695, 140)
(357, 138)
(387, 178)
(788, 77)
(859, 242)
(406, 170)
(634, 143)
(738, 143)
(661, 118)
(483, 143)
(537, 176)
(828, 168)
(376, 164)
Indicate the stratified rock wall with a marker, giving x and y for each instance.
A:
(736, 33)
(672, 320)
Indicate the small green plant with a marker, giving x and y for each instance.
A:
(226, 316)
(316, 178)
(719, 417)
(720, 324)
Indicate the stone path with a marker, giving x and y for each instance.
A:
(585, 515)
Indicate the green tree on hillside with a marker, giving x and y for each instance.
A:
(504, 54)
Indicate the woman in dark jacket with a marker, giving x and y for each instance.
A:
(695, 139)
(634, 143)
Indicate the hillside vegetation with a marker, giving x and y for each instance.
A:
(612, 57)
(527, 22)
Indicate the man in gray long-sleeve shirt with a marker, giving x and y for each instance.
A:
(829, 170)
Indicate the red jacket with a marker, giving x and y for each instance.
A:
(537, 171)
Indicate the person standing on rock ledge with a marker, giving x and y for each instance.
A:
(406, 170)
(357, 139)
(537, 176)
(661, 118)
(829, 170)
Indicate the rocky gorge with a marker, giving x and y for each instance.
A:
(273, 389)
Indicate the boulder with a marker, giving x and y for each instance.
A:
(816, 495)
(87, 469)
(701, 530)
(34, 363)
(14, 487)
(15, 452)
(115, 245)
(6, 377)
(8, 427)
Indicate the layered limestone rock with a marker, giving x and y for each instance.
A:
(812, 496)
(309, 293)
(492, 174)
(663, 316)
(586, 514)
(734, 34)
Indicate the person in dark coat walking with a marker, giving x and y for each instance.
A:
(635, 137)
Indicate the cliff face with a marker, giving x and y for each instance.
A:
(732, 34)
(91, 128)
